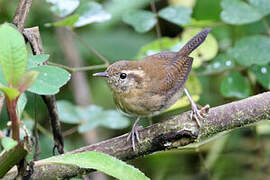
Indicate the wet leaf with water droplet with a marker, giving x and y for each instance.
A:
(220, 63)
(235, 85)
(63, 8)
(262, 74)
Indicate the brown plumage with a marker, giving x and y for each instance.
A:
(154, 83)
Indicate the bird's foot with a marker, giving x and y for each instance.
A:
(199, 114)
(134, 134)
(196, 113)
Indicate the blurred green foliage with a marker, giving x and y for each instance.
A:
(232, 66)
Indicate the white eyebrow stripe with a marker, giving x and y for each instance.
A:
(137, 72)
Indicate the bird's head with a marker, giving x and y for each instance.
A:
(123, 76)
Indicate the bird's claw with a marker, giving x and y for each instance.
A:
(134, 135)
(197, 114)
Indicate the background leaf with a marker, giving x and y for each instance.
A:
(239, 12)
(262, 5)
(179, 15)
(36, 60)
(142, 21)
(235, 85)
(49, 80)
(21, 105)
(251, 50)
(63, 8)
(91, 12)
(262, 74)
(101, 162)
(8, 143)
(13, 54)
(67, 112)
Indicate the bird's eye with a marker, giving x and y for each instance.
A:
(123, 75)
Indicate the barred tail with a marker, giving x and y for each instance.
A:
(196, 41)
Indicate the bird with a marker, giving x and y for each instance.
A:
(149, 86)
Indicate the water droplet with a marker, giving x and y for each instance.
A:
(45, 74)
(228, 63)
(216, 64)
(264, 70)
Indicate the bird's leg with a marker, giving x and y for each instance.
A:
(196, 113)
(134, 134)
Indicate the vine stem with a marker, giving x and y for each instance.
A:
(15, 122)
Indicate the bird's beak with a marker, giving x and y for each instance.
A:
(101, 74)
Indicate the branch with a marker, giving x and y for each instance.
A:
(176, 132)
(33, 36)
(21, 13)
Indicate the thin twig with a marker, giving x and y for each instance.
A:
(106, 61)
(154, 10)
(35, 132)
(266, 25)
(78, 69)
(21, 13)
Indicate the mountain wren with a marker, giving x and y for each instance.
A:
(151, 85)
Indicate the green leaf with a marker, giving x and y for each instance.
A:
(251, 50)
(49, 80)
(142, 21)
(69, 21)
(26, 80)
(162, 44)
(8, 143)
(91, 12)
(206, 51)
(13, 54)
(101, 162)
(2, 77)
(95, 116)
(67, 112)
(11, 93)
(220, 63)
(235, 85)
(21, 105)
(239, 12)
(262, 74)
(262, 5)
(179, 15)
(114, 120)
(63, 8)
(37, 60)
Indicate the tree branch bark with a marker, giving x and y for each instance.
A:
(176, 132)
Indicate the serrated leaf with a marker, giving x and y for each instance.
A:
(13, 54)
(179, 15)
(142, 21)
(262, 74)
(101, 162)
(206, 51)
(27, 80)
(67, 112)
(162, 44)
(69, 21)
(11, 93)
(63, 8)
(49, 80)
(21, 105)
(262, 5)
(91, 12)
(37, 60)
(239, 12)
(251, 50)
(220, 63)
(8, 143)
(235, 85)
